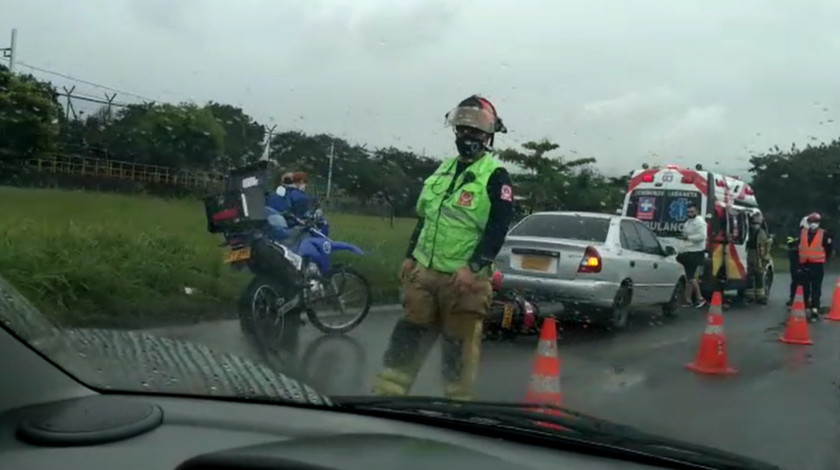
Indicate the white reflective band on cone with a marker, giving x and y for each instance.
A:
(543, 384)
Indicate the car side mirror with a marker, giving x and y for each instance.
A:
(670, 251)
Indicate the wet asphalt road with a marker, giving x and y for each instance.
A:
(782, 406)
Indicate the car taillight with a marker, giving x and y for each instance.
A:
(226, 214)
(647, 178)
(687, 180)
(529, 308)
(591, 261)
(496, 280)
(529, 318)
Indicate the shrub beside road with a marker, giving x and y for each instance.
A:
(88, 258)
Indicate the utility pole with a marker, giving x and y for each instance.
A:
(9, 52)
(329, 174)
(267, 152)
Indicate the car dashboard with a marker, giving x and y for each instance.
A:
(50, 421)
(167, 433)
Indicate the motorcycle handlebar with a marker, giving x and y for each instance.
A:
(312, 220)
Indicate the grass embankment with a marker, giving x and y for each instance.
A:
(89, 258)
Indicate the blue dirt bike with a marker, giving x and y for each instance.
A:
(293, 274)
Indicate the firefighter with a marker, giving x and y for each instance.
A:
(796, 276)
(757, 260)
(464, 211)
(814, 247)
(793, 264)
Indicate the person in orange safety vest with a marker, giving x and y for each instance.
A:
(814, 247)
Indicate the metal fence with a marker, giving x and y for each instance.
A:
(102, 169)
(76, 165)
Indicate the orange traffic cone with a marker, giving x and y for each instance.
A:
(796, 329)
(711, 356)
(834, 310)
(544, 388)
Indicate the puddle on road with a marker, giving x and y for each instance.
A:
(618, 379)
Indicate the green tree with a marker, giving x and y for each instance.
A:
(296, 151)
(398, 177)
(790, 184)
(29, 117)
(547, 183)
(180, 136)
(244, 137)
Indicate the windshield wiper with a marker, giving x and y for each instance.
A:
(565, 424)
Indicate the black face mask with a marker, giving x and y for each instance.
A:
(469, 147)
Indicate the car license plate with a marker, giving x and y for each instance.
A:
(241, 254)
(537, 263)
(507, 316)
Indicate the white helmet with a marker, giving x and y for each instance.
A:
(804, 222)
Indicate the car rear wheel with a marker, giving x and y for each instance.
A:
(672, 307)
(619, 313)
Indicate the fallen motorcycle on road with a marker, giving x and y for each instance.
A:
(510, 314)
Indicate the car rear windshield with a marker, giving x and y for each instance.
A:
(573, 227)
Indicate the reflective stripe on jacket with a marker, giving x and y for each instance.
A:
(813, 252)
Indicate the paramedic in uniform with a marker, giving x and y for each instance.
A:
(464, 211)
(693, 255)
(757, 260)
(814, 247)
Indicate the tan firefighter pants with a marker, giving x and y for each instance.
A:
(434, 307)
(755, 277)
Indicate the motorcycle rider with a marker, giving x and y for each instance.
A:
(289, 198)
(757, 260)
(299, 201)
(279, 202)
(464, 212)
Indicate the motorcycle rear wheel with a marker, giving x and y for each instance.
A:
(270, 332)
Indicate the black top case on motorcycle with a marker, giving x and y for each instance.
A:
(241, 206)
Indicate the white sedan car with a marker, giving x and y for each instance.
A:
(592, 263)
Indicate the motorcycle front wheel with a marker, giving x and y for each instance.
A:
(332, 305)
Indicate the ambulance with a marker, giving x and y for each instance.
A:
(659, 198)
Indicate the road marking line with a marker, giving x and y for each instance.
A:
(669, 342)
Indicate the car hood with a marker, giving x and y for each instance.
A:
(138, 361)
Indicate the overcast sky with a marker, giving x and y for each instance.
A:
(623, 81)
